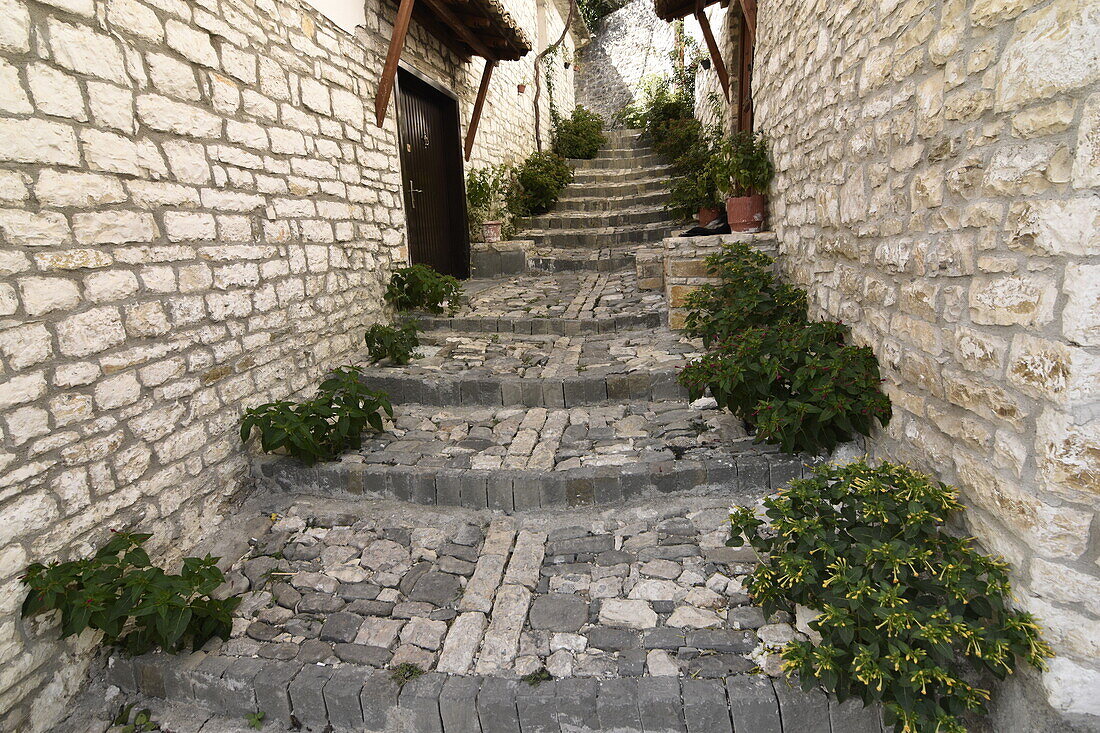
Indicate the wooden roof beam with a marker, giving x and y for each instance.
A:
(393, 57)
(461, 29)
(748, 7)
(712, 46)
(479, 104)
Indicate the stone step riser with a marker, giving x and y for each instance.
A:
(566, 264)
(749, 475)
(544, 326)
(319, 697)
(621, 175)
(589, 191)
(597, 221)
(567, 240)
(460, 391)
(656, 199)
(617, 162)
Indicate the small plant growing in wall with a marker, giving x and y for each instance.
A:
(396, 343)
(909, 615)
(321, 428)
(135, 604)
(420, 288)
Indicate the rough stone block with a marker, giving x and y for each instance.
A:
(419, 704)
(617, 705)
(753, 705)
(660, 705)
(342, 695)
(307, 698)
(378, 700)
(705, 708)
(496, 706)
(458, 705)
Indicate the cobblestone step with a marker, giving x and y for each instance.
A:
(639, 614)
(545, 325)
(615, 190)
(605, 236)
(606, 259)
(632, 158)
(537, 370)
(656, 199)
(625, 217)
(515, 458)
(622, 175)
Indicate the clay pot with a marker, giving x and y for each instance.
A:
(521, 88)
(745, 213)
(706, 216)
(490, 231)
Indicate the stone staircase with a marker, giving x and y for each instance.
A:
(615, 199)
(546, 499)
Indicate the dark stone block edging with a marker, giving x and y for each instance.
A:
(363, 699)
(518, 490)
(466, 390)
(541, 326)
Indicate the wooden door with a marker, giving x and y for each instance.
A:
(431, 173)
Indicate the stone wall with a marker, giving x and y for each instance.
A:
(630, 46)
(938, 163)
(197, 214)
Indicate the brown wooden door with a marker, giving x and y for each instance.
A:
(431, 172)
(744, 75)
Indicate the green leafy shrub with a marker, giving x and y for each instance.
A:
(539, 181)
(398, 344)
(742, 166)
(321, 428)
(594, 11)
(798, 384)
(487, 197)
(135, 604)
(580, 135)
(908, 613)
(747, 294)
(694, 186)
(420, 288)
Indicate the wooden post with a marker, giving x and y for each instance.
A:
(475, 118)
(712, 46)
(748, 8)
(393, 56)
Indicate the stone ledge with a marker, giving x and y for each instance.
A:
(463, 390)
(365, 700)
(512, 490)
(554, 326)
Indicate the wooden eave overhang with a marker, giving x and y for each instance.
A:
(670, 10)
(468, 28)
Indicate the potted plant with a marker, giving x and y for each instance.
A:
(743, 171)
(486, 196)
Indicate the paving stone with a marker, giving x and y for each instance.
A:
(496, 706)
(236, 694)
(458, 705)
(803, 710)
(631, 614)
(705, 708)
(206, 680)
(272, 690)
(479, 592)
(576, 704)
(307, 700)
(378, 700)
(745, 617)
(501, 640)
(617, 705)
(424, 633)
(419, 703)
(523, 569)
(313, 651)
(753, 704)
(342, 695)
(610, 639)
(660, 706)
(363, 654)
(436, 588)
(558, 612)
(722, 640)
(851, 716)
(341, 627)
(461, 645)
(538, 708)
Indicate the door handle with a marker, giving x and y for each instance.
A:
(412, 199)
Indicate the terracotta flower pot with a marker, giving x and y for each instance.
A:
(745, 213)
(490, 231)
(521, 88)
(706, 216)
